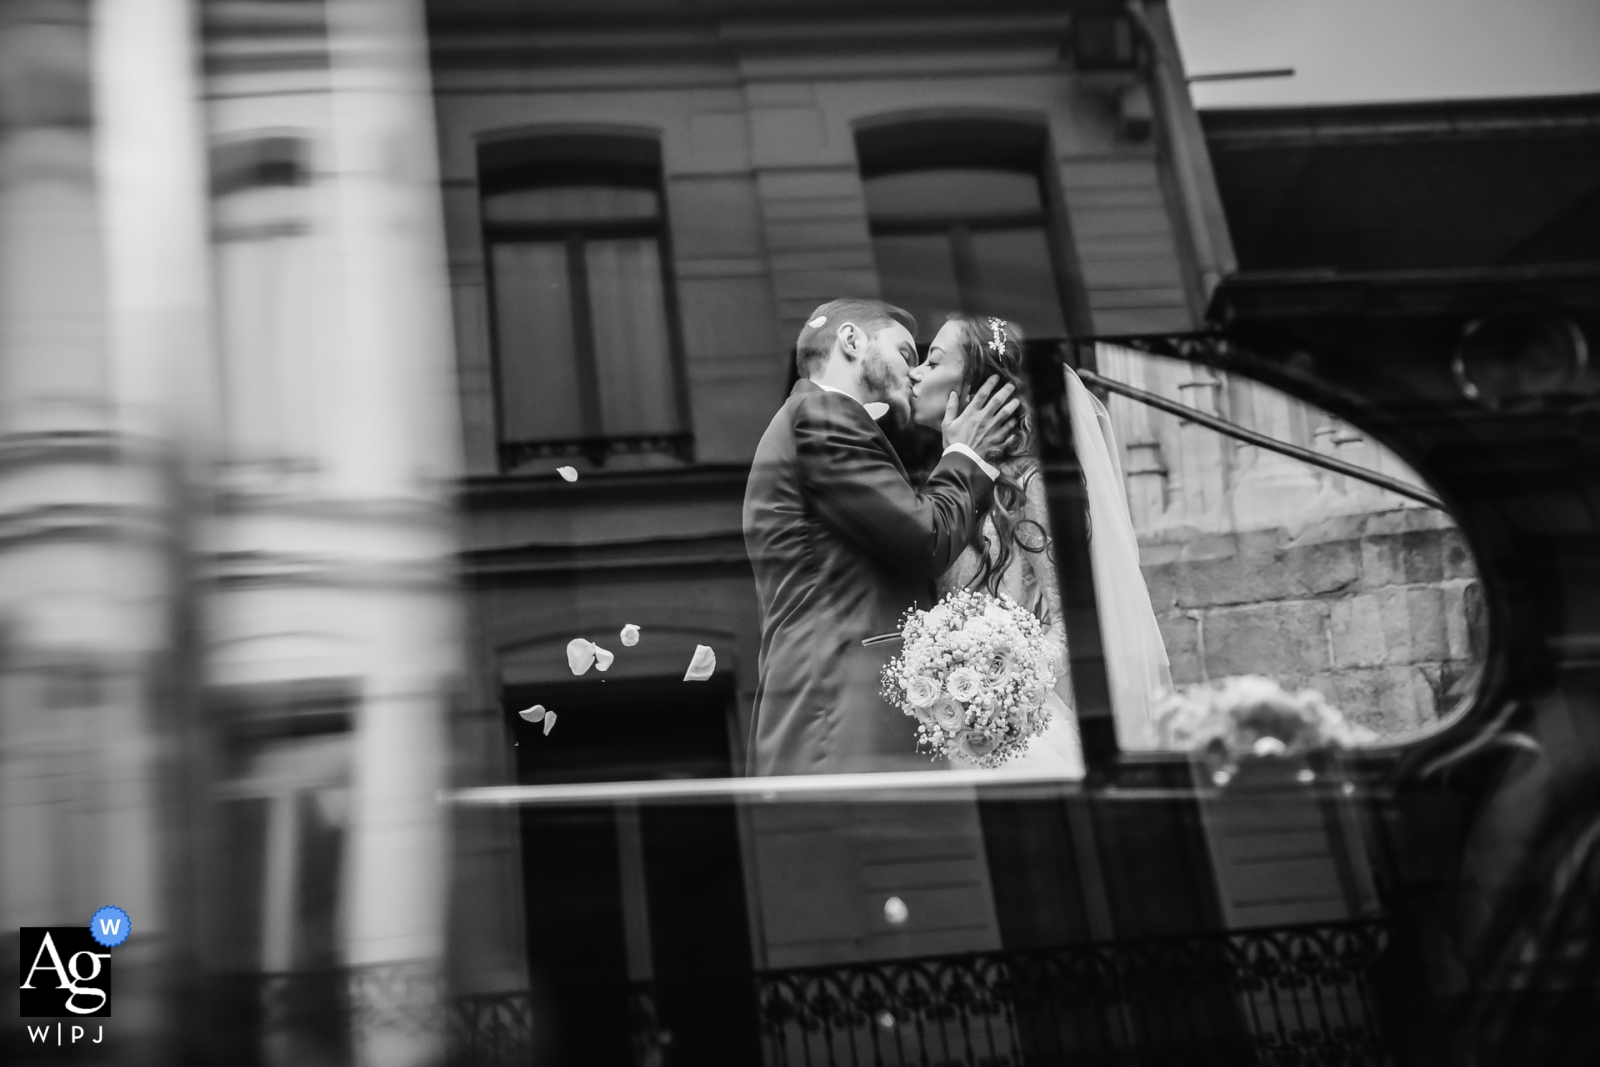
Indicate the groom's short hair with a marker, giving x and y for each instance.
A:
(822, 326)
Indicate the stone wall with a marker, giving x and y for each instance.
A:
(1381, 612)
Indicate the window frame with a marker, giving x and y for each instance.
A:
(597, 159)
(898, 144)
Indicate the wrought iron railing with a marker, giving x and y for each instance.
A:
(1285, 997)
(492, 1030)
(314, 1016)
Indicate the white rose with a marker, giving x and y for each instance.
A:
(947, 714)
(964, 684)
(997, 667)
(975, 744)
(921, 691)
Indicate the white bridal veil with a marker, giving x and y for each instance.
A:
(1136, 657)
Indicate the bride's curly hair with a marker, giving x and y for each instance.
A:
(993, 347)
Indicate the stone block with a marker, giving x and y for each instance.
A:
(1279, 640)
(1210, 546)
(1414, 624)
(1458, 635)
(1355, 630)
(1181, 635)
(1401, 558)
(1155, 549)
(1161, 581)
(1456, 556)
(1268, 574)
(1325, 567)
(1390, 701)
(1458, 681)
(1336, 528)
(1407, 520)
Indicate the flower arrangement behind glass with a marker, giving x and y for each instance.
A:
(973, 671)
(1253, 716)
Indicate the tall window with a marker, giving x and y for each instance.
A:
(961, 222)
(261, 212)
(583, 315)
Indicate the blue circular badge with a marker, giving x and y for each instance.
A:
(110, 926)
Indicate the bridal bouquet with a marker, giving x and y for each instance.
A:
(974, 672)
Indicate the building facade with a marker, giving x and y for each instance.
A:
(305, 305)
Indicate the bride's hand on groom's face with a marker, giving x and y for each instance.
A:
(987, 420)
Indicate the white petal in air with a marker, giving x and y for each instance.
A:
(580, 655)
(820, 320)
(1268, 746)
(702, 666)
(568, 473)
(533, 714)
(549, 721)
(602, 658)
(630, 635)
(877, 409)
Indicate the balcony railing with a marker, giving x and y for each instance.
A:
(1285, 996)
(1282, 997)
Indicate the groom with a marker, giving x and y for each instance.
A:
(842, 544)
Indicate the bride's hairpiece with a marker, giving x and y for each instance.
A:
(997, 327)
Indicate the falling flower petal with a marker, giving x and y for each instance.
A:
(702, 666)
(569, 473)
(533, 714)
(876, 409)
(549, 721)
(580, 655)
(1268, 746)
(820, 320)
(630, 635)
(602, 658)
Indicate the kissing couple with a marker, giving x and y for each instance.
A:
(843, 544)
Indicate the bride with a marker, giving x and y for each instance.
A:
(1011, 553)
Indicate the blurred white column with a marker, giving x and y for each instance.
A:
(101, 293)
(152, 214)
(397, 443)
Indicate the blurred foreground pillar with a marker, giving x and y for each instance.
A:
(333, 617)
(89, 605)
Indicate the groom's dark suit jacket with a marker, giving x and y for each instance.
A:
(842, 546)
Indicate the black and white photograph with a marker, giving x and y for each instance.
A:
(793, 533)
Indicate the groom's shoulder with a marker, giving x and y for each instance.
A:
(833, 412)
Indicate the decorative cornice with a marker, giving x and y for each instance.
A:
(275, 568)
(722, 552)
(100, 522)
(1257, 296)
(703, 482)
(542, 33)
(1409, 123)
